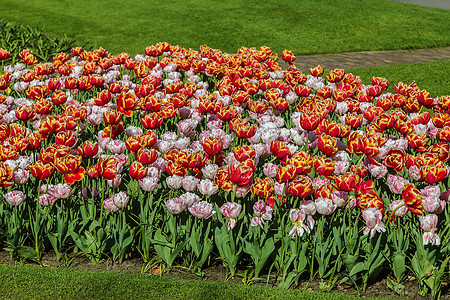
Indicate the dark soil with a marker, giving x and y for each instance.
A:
(218, 273)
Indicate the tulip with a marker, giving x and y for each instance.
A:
(413, 199)
(373, 218)
(21, 176)
(242, 174)
(88, 193)
(297, 218)
(285, 173)
(231, 211)
(46, 200)
(270, 170)
(300, 187)
(189, 198)
(396, 183)
(346, 182)
(115, 182)
(202, 210)
(378, 171)
(14, 198)
(339, 198)
(263, 188)
(433, 204)
(325, 206)
(428, 224)
(174, 181)
(175, 205)
(148, 183)
(207, 187)
(120, 199)
(189, 183)
(309, 207)
(61, 191)
(317, 71)
(109, 205)
(263, 213)
(41, 170)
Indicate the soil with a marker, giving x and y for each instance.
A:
(218, 273)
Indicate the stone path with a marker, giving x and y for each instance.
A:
(444, 4)
(350, 60)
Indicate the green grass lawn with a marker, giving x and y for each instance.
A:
(305, 27)
(25, 282)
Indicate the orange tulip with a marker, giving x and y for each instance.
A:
(41, 170)
(324, 165)
(137, 170)
(413, 199)
(262, 188)
(300, 187)
(396, 158)
(285, 173)
(212, 145)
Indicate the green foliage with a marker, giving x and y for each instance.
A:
(16, 38)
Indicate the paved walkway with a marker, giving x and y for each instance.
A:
(444, 4)
(350, 60)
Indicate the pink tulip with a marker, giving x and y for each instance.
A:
(115, 183)
(182, 143)
(243, 190)
(428, 224)
(21, 176)
(309, 207)
(189, 183)
(399, 207)
(396, 183)
(202, 210)
(14, 198)
(109, 205)
(433, 204)
(120, 199)
(263, 213)
(431, 191)
(207, 187)
(378, 171)
(61, 191)
(190, 198)
(270, 170)
(210, 170)
(46, 200)
(374, 222)
(341, 167)
(318, 182)
(298, 217)
(175, 205)
(133, 131)
(116, 146)
(231, 211)
(325, 206)
(164, 146)
(279, 188)
(174, 182)
(148, 183)
(339, 198)
(414, 173)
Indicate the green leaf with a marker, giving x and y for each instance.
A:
(359, 267)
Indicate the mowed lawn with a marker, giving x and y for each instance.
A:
(305, 27)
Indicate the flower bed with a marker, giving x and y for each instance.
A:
(196, 156)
